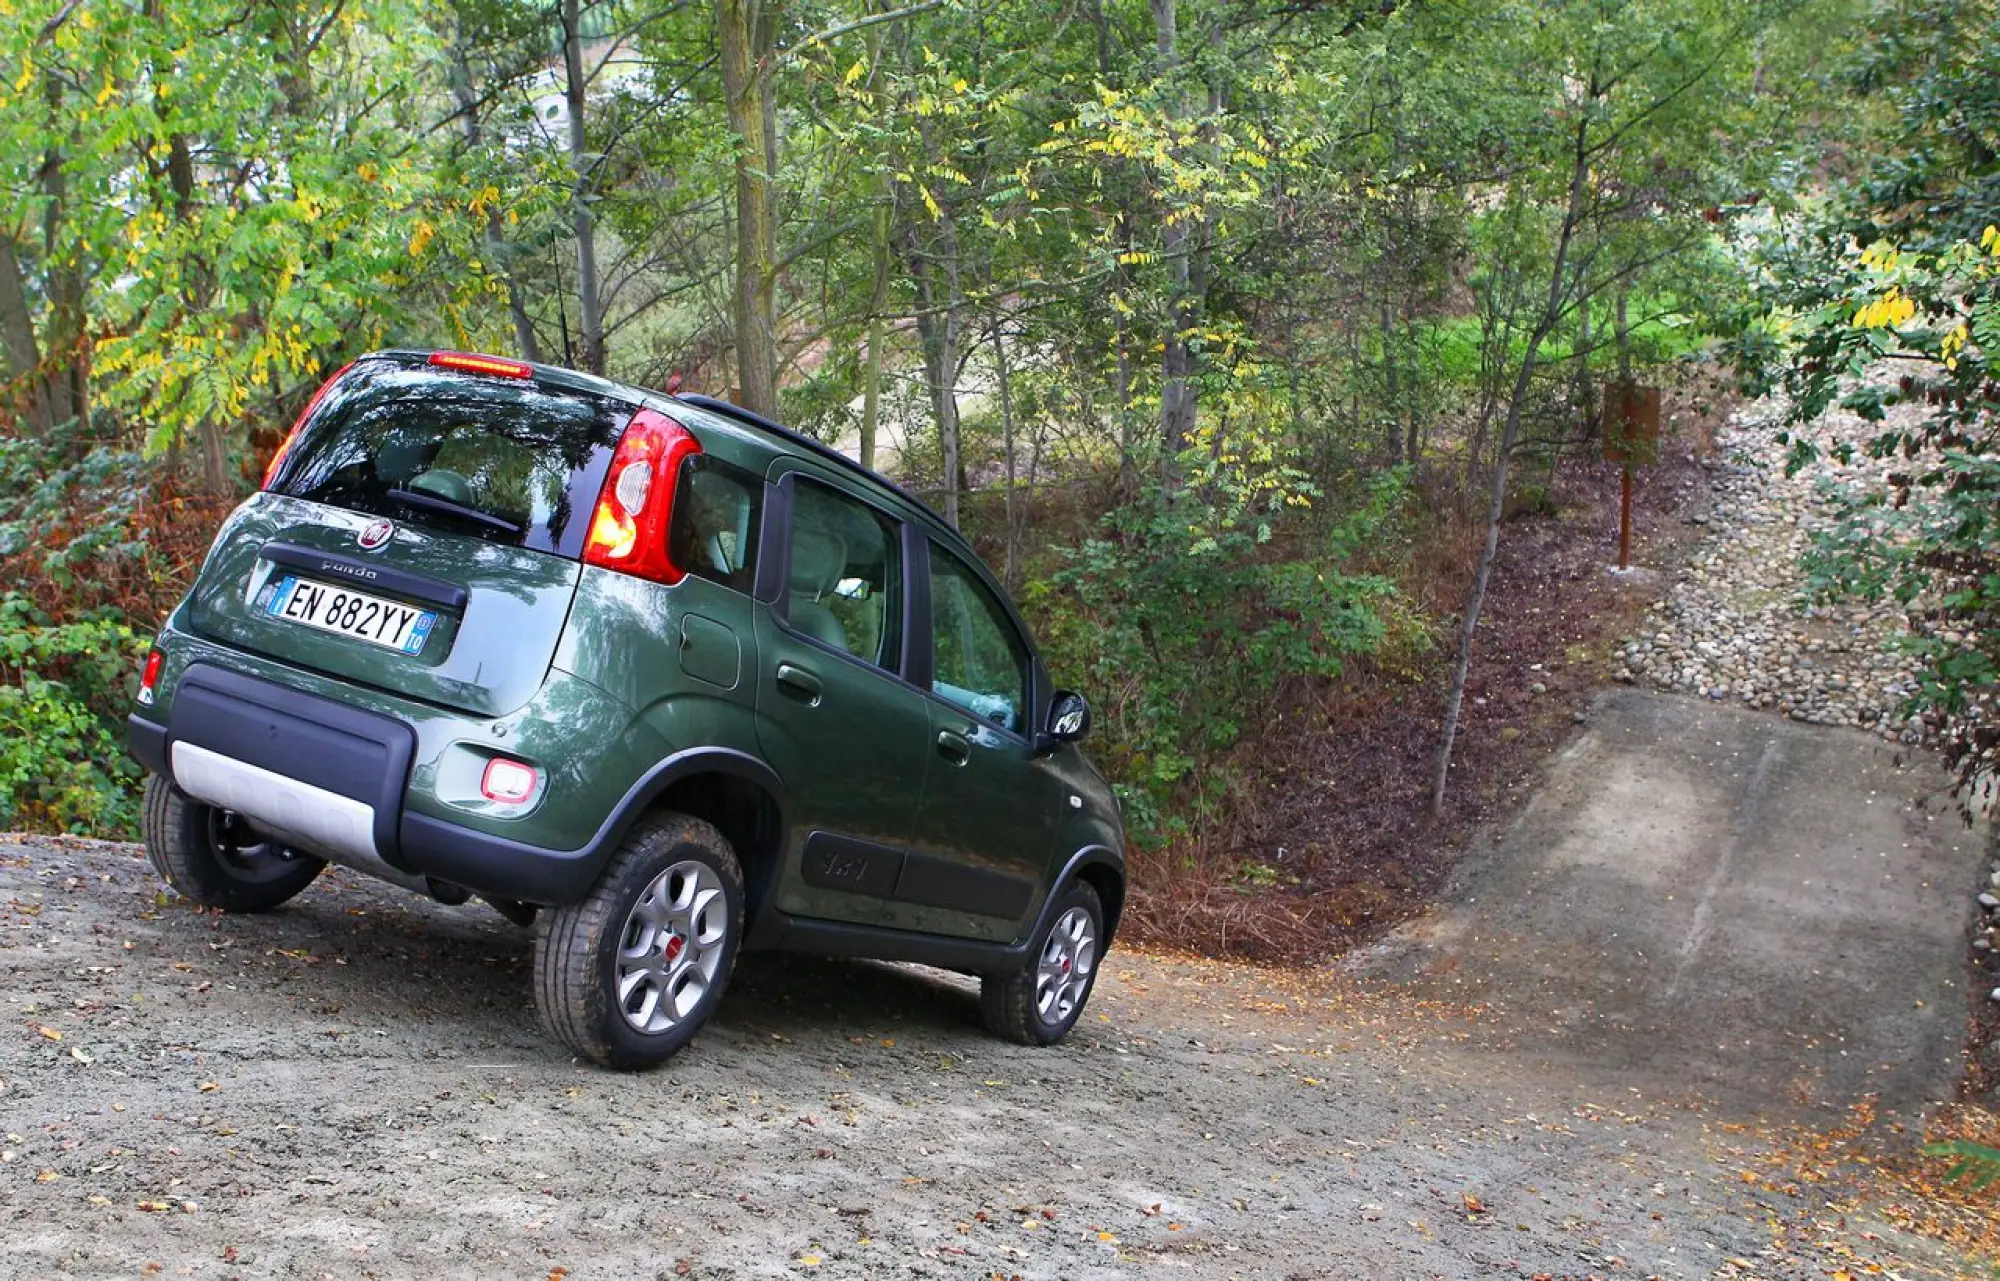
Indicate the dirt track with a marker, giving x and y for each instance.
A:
(355, 1087)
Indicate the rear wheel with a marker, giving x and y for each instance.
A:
(628, 976)
(1039, 1003)
(214, 857)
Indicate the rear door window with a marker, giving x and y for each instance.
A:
(498, 459)
(846, 575)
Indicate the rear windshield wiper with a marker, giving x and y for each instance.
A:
(431, 502)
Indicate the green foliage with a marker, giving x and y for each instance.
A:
(1890, 305)
(63, 766)
(1191, 608)
(1975, 1163)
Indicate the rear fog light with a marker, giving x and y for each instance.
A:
(508, 782)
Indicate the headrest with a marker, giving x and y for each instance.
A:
(818, 560)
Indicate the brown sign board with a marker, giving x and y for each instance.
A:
(1631, 423)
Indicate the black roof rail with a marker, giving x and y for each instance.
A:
(729, 409)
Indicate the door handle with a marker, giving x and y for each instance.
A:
(801, 680)
(954, 747)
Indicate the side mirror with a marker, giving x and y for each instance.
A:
(1069, 719)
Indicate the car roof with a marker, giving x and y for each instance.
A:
(770, 434)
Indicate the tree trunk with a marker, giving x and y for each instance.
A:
(1413, 411)
(1012, 571)
(590, 312)
(63, 349)
(25, 386)
(1121, 282)
(1177, 246)
(743, 33)
(497, 248)
(939, 317)
(878, 294)
(1624, 334)
(1392, 440)
(1510, 433)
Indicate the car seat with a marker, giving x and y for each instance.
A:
(818, 560)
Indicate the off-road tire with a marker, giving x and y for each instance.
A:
(577, 947)
(1013, 1005)
(186, 844)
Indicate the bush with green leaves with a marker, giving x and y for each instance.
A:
(63, 765)
(1194, 603)
(1888, 296)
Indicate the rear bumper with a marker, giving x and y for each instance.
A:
(309, 747)
(333, 780)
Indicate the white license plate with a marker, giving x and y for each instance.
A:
(344, 611)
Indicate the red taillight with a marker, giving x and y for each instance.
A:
(305, 416)
(471, 364)
(508, 782)
(149, 679)
(628, 531)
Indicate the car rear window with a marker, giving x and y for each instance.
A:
(500, 459)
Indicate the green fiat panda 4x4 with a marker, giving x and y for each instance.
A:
(652, 673)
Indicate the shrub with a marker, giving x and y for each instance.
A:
(63, 766)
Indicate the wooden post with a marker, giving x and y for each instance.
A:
(1631, 435)
(1625, 519)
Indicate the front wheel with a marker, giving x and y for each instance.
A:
(1039, 1003)
(215, 858)
(628, 976)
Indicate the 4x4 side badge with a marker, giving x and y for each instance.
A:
(375, 534)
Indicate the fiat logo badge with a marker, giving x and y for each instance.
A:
(376, 534)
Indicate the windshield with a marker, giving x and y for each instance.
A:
(493, 458)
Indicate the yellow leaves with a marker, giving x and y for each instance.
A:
(1881, 255)
(855, 72)
(930, 203)
(27, 76)
(420, 239)
(108, 92)
(1953, 343)
(367, 171)
(49, 1034)
(1989, 240)
(1890, 310)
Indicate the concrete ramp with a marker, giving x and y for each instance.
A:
(1702, 896)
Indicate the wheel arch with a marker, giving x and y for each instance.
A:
(1099, 867)
(737, 794)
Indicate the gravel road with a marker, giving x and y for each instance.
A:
(355, 1087)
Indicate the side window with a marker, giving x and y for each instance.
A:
(716, 511)
(846, 575)
(981, 660)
